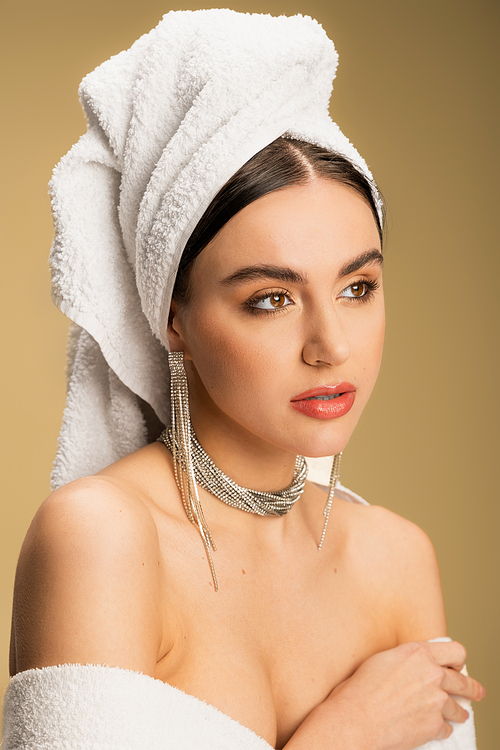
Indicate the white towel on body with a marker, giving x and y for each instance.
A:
(76, 707)
(169, 121)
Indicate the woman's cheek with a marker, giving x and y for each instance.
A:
(367, 353)
(231, 359)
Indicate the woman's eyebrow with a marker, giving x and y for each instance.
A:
(371, 256)
(287, 275)
(250, 273)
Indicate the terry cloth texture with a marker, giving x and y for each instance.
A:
(76, 707)
(169, 121)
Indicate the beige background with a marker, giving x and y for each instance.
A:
(417, 95)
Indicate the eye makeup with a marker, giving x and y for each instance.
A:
(277, 298)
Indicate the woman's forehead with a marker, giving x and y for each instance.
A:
(302, 225)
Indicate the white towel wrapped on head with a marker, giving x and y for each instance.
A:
(169, 122)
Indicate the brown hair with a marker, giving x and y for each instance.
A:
(282, 163)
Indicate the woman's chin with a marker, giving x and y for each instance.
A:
(323, 449)
(321, 444)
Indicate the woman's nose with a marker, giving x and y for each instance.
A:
(326, 342)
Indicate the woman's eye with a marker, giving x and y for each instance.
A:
(271, 301)
(355, 291)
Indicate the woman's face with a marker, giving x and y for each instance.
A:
(285, 323)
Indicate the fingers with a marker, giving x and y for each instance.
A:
(452, 711)
(445, 732)
(450, 654)
(449, 658)
(455, 683)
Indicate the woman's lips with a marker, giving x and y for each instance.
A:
(325, 402)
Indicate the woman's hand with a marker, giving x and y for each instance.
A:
(396, 700)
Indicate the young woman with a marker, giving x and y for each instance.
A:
(203, 559)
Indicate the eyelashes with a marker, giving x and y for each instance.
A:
(270, 301)
(363, 290)
(275, 301)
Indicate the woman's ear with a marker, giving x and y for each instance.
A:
(175, 333)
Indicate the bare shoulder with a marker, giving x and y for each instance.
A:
(93, 505)
(87, 581)
(388, 537)
(398, 559)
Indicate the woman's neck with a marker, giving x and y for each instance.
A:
(246, 459)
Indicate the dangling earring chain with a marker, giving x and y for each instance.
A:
(334, 478)
(181, 453)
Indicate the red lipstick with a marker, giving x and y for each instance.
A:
(325, 401)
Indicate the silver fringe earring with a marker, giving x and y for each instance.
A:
(334, 478)
(181, 453)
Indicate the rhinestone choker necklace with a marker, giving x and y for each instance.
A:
(212, 479)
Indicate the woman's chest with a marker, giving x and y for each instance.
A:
(274, 641)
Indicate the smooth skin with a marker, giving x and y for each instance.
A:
(309, 649)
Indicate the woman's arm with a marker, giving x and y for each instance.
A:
(89, 554)
(397, 700)
(401, 698)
